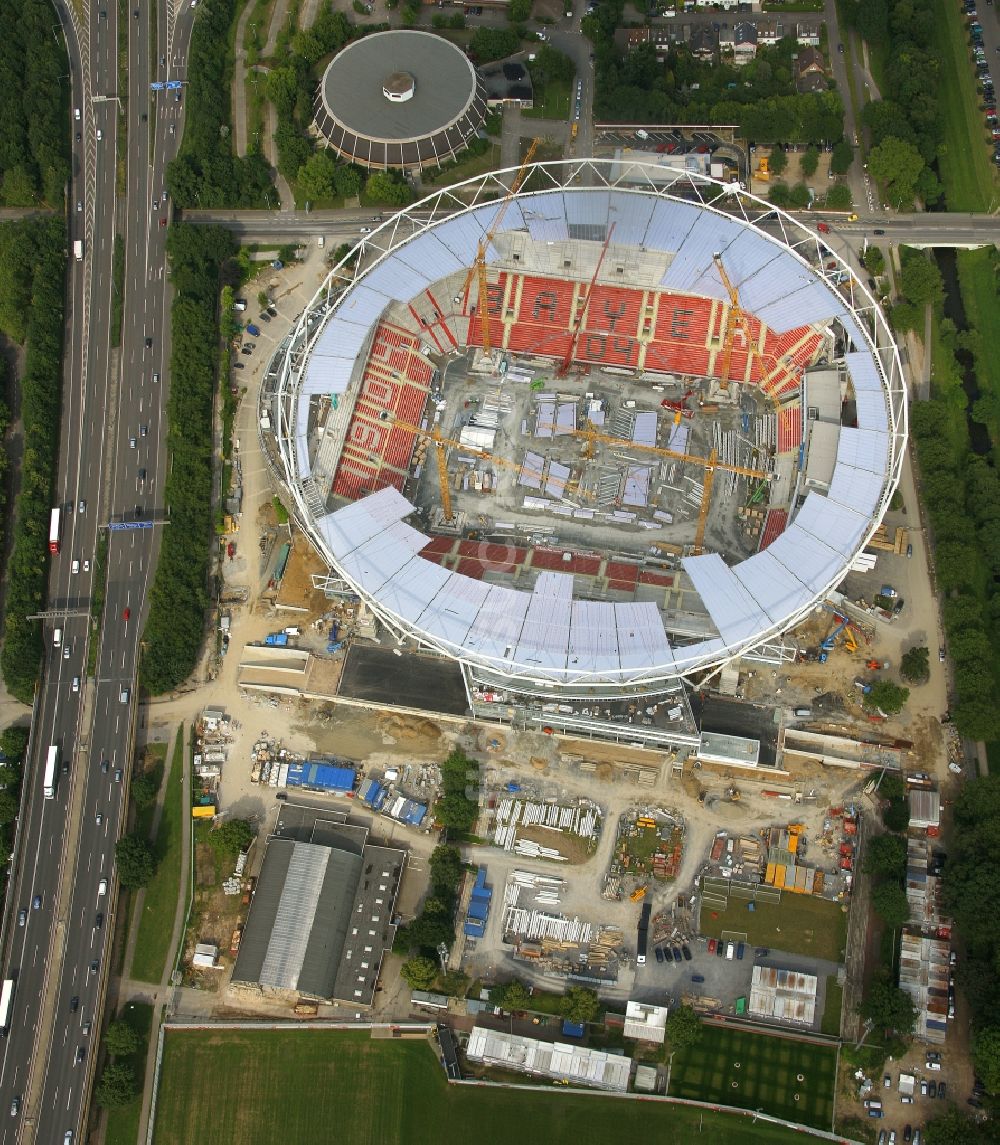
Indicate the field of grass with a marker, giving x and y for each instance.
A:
(304, 1086)
(157, 922)
(800, 924)
(757, 1071)
(830, 1022)
(968, 175)
(123, 1124)
(552, 101)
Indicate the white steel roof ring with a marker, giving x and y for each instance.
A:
(581, 643)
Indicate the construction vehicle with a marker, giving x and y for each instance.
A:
(679, 404)
(734, 795)
(639, 893)
(877, 665)
(478, 268)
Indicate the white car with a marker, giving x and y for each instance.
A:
(102, 887)
(76, 567)
(76, 683)
(100, 135)
(955, 768)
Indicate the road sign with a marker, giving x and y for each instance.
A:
(122, 526)
(172, 84)
(158, 86)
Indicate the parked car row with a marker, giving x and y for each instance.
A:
(673, 953)
(984, 77)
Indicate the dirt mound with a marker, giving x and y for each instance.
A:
(408, 728)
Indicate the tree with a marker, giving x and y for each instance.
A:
(121, 1039)
(897, 815)
(446, 868)
(419, 973)
(13, 744)
(9, 807)
(134, 860)
(841, 158)
(348, 180)
(778, 161)
(234, 835)
(580, 1004)
(986, 1056)
(888, 1007)
(887, 696)
(953, 1128)
(915, 664)
(511, 995)
(808, 162)
(383, 188)
(493, 44)
(874, 260)
(317, 176)
(144, 789)
(920, 280)
(117, 1086)
(896, 164)
(890, 903)
(684, 1028)
(839, 197)
(885, 857)
(518, 11)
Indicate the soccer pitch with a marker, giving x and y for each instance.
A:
(758, 1071)
(302, 1087)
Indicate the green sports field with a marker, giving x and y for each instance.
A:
(799, 924)
(305, 1087)
(758, 1071)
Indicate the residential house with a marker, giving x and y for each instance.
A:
(509, 83)
(810, 71)
(768, 33)
(807, 32)
(703, 43)
(628, 39)
(727, 40)
(744, 43)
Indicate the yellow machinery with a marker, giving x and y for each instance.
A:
(442, 467)
(638, 893)
(478, 268)
(762, 172)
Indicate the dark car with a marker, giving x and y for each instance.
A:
(22, 917)
(687, 953)
(740, 949)
(878, 231)
(675, 954)
(105, 766)
(98, 920)
(149, 343)
(907, 1132)
(697, 978)
(74, 1004)
(931, 1087)
(239, 365)
(942, 1090)
(36, 902)
(93, 967)
(81, 1053)
(720, 950)
(659, 954)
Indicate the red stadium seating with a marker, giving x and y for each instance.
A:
(789, 428)
(774, 525)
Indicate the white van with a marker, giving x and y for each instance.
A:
(102, 887)
(76, 567)
(57, 638)
(730, 950)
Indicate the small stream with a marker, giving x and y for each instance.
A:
(947, 261)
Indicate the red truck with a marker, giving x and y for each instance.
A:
(823, 228)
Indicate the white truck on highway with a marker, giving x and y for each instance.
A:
(78, 250)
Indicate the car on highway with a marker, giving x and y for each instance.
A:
(93, 967)
(81, 1053)
(76, 683)
(86, 1028)
(22, 917)
(99, 135)
(149, 343)
(98, 920)
(79, 205)
(74, 1004)
(81, 506)
(99, 818)
(86, 566)
(75, 567)
(105, 766)
(133, 443)
(143, 430)
(119, 773)
(15, 1107)
(126, 613)
(36, 902)
(156, 377)
(66, 652)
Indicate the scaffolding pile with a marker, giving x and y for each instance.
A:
(513, 816)
(535, 922)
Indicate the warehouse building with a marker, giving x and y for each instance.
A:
(321, 918)
(574, 1065)
(783, 995)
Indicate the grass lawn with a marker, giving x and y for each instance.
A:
(303, 1086)
(157, 922)
(155, 759)
(969, 178)
(552, 101)
(977, 279)
(466, 168)
(757, 1071)
(123, 1124)
(799, 924)
(830, 1023)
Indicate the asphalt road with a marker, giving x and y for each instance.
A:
(111, 429)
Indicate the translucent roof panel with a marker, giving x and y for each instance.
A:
(414, 589)
(857, 488)
(642, 640)
(497, 628)
(544, 216)
(593, 639)
(587, 210)
(545, 635)
(815, 564)
(775, 590)
(863, 449)
(364, 519)
(733, 610)
(455, 608)
(832, 522)
(631, 215)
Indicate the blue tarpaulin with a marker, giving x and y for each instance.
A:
(321, 777)
(573, 1029)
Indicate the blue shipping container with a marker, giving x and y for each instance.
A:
(573, 1029)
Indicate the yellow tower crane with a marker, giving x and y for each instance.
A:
(478, 268)
(590, 434)
(737, 317)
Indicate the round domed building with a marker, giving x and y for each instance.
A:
(400, 99)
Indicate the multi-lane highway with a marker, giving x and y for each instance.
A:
(112, 468)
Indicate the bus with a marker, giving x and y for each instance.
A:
(6, 1001)
(51, 763)
(54, 520)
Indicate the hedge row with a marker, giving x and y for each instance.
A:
(199, 258)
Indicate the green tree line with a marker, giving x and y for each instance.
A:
(199, 258)
(206, 173)
(32, 290)
(34, 141)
